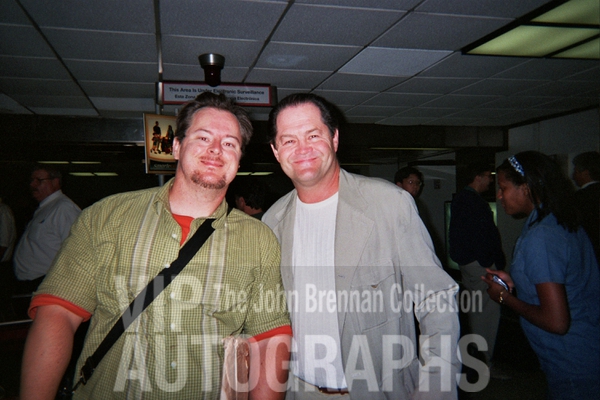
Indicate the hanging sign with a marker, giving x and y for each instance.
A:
(253, 95)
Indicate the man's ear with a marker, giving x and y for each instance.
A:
(275, 152)
(336, 140)
(176, 146)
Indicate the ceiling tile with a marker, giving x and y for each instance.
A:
(444, 32)
(379, 4)
(186, 49)
(113, 71)
(564, 89)
(517, 102)
(29, 67)
(101, 15)
(194, 73)
(22, 41)
(380, 111)
(406, 121)
(492, 8)
(329, 25)
(427, 112)
(10, 106)
(305, 56)
(12, 14)
(461, 101)
(124, 104)
(343, 97)
(17, 86)
(500, 87)
(119, 89)
(464, 66)
(400, 99)
(53, 101)
(110, 46)
(305, 80)
(431, 85)
(392, 62)
(80, 112)
(234, 19)
(355, 82)
(550, 69)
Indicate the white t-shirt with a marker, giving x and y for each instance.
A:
(317, 358)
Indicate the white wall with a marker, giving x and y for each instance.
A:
(564, 137)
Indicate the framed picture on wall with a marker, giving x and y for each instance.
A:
(159, 132)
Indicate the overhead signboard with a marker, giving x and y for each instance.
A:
(251, 95)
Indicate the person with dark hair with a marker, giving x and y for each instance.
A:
(555, 274)
(586, 174)
(46, 231)
(475, 245)
(121, 250)
(251, 196)
(349, 237)
(410, 179)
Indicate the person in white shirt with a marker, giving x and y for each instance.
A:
(46, 231)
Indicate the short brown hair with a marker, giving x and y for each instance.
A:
(219, 102)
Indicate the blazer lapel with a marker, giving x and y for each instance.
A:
(352, 232)
(286, 225)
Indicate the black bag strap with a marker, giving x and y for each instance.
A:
(145, 297)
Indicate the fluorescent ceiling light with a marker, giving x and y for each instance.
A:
(411, 148)
(254, 173)
(588, 50)
(81, 173)
(70, 162)
(106, 174)
(261, 173)
(86, 174)
(559, 29)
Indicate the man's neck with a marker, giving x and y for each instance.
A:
(324, 189)
(194, 201)
(473, 185)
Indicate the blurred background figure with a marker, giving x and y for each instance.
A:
(251, 195)
(555, 274)
(46, 231)
(586, 174)
(411, 180)
(8, 234)
(475, 245)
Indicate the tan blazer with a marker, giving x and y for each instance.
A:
(382, 250)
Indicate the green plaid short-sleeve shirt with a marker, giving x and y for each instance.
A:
(232, 286)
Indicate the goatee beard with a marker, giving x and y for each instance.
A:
(215, 185)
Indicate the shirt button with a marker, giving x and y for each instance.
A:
(167, 265)
(174, 236)
(172, 327)
(172, 295)
(173, 364)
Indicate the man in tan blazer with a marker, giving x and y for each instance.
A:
(358, 267)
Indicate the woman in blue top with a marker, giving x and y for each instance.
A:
(555, 274)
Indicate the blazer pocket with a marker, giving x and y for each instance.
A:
(373, 296)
